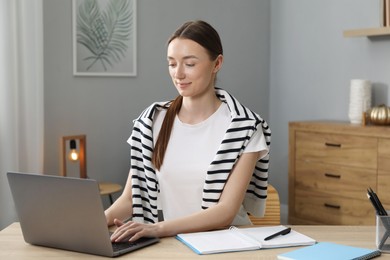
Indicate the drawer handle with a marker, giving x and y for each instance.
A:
(333, 145)
(332, 206)
(331, 175)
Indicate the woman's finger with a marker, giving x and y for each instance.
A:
(118, 222)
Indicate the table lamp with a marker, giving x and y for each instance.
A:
(74, 154)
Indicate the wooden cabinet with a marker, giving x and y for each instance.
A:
(384, 171)
(331, 165)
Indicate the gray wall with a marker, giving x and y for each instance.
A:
(103, 108)
(285, 59)
(312, 65)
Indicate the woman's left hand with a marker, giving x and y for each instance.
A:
(131, 231)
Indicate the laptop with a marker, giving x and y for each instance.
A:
(65, 213)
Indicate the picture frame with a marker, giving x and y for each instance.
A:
(104, 38)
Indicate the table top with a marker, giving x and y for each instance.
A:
(12, 245)
(107, 188)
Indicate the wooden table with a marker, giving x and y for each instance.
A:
(12, 245)
(108, 188)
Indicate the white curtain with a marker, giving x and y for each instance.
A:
(21, 95)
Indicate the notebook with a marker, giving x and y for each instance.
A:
(65, 213)
(327, 250)
(242, 239)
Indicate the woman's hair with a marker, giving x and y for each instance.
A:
(205, 35)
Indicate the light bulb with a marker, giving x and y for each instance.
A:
(73, 155)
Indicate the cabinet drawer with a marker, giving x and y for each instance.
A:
(337, 149)
(335, 180)
(384, 171)
(384, 188)
(384, 155)
(333, 210)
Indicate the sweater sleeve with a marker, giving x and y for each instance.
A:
(143, 176)
(256, 194)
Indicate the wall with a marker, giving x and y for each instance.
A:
(306, 76)
(312, 65)
(103, 108)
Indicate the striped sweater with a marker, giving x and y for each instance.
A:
(243, 124)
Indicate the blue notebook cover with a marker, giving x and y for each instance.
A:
(327, 250)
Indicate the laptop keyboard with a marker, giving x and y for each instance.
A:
(118, 246)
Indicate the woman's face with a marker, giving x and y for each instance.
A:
(190, 67)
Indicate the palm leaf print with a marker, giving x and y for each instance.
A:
(105, 34)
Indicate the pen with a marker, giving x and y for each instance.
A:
(280, 233)
(376, 202)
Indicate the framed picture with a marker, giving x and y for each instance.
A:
(104, 38)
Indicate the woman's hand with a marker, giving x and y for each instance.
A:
(122, 207)
(131, 231)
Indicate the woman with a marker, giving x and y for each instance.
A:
(203, 158)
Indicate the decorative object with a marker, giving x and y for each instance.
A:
(104, 38)
(379, 115)
(360, 100)
(74, 155)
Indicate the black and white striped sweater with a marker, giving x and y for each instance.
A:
(244, 123)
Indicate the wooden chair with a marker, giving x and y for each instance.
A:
(272, 210)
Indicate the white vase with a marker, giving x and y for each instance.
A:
(359, 99)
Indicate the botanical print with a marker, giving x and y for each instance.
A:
(105, 37)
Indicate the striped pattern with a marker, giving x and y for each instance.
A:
(244, 124)
(272, 212)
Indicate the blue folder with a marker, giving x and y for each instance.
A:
(327, 251)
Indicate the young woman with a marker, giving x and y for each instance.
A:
(202, 159)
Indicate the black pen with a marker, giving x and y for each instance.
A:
(280, 233)
(376, 203)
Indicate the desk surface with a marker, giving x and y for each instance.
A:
(12, 245)
(107, 188)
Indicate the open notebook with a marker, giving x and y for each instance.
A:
(241, 239)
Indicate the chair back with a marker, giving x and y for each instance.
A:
(272, 209)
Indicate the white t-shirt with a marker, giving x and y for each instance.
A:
(190, 151)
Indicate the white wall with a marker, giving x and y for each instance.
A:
(312, 65)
